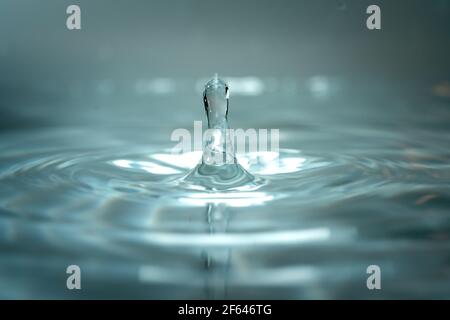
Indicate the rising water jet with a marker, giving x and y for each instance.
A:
(219, 168)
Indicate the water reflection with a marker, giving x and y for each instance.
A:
(338, 196)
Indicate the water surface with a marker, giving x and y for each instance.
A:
(359, 180)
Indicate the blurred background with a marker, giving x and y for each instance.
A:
(134, 61)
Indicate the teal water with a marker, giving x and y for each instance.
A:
(360, 179)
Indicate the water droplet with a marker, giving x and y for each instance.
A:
(219, 169)
(218, 148)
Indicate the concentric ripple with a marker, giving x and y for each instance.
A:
(128, 203)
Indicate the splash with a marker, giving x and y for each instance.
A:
(219, 168)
